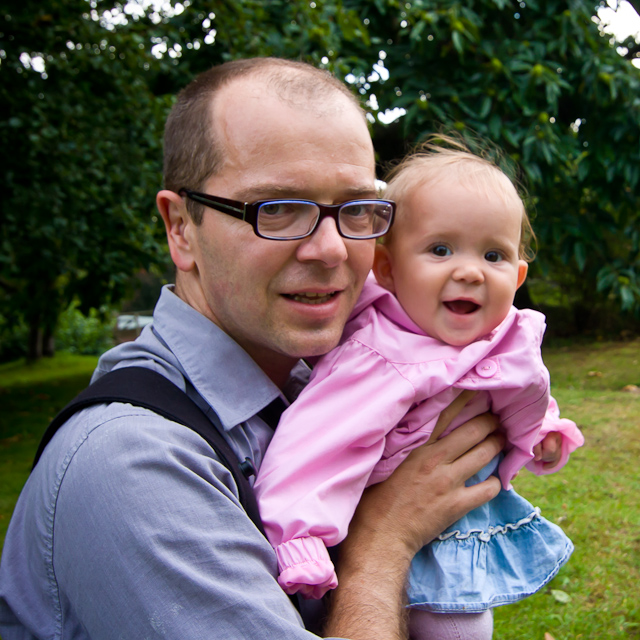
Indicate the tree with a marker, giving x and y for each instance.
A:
(541, 80)
(86, 86)
(81, 137)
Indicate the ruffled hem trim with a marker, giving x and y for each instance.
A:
(485, 536)
(496, 600)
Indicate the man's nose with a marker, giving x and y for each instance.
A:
(324, 245)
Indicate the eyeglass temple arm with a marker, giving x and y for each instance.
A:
(219, 204)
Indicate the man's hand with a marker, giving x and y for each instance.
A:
(549, 450)
(397, 517)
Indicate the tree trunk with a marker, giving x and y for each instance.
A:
(48, 343)
(34, 346)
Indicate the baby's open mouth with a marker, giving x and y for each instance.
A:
(311, 298)
(461, 307)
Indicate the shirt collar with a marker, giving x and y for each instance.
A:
(220, 370)
(184, 345)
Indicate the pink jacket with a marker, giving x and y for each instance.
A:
(371, 401)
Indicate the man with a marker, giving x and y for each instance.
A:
(129, 527)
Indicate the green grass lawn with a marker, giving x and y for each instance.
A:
(595, 498)
(30, 397)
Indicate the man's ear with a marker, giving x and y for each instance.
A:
(383, 268)
(178, 225)
(523, 268)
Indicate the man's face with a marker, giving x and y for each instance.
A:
(281, 300)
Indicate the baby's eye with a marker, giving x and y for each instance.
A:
(440, 250)
(492, 256)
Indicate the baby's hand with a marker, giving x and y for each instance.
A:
(549, 450)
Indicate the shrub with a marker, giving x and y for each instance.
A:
(13, 340)
(84, 335)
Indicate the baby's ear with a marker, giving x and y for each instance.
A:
(523, 268)
(383, 267)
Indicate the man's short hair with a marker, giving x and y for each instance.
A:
(191, 151)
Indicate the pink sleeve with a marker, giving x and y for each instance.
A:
(526, 410)
(521, 454)
(320, 459)
(572, 438)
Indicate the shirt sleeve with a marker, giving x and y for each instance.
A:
(321, 457)
(151, 541)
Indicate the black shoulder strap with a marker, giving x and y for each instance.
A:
(146, 388)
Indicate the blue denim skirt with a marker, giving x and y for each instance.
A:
(497, 554)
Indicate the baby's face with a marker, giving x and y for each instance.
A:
(453, 260)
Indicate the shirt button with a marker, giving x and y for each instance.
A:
(487, 368)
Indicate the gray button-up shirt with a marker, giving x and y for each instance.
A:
(130, 528)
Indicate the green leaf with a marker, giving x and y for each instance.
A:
(561, 596)
(457, 42)
(510, 137)
(416, 32)
(485, 107)
(495, 123)
(580, 254)
(546, 152)
(627, 297)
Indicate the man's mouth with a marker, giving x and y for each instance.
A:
(309, 297)
(461, 307)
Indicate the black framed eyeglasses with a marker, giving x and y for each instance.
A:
(296, 219)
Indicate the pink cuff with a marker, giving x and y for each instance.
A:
(305, 567)
(572, 438)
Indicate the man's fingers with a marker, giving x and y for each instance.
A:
(481, 493)
(427, 492)
(449, 413)
(467, 436)
(479, 456)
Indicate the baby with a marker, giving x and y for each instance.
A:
(436, 319)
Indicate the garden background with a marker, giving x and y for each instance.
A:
(86, 85)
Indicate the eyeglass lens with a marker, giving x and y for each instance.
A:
(283, 218)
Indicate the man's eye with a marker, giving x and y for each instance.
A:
(493, 256)
(357, 210)
(440, 250)
(275, 208)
